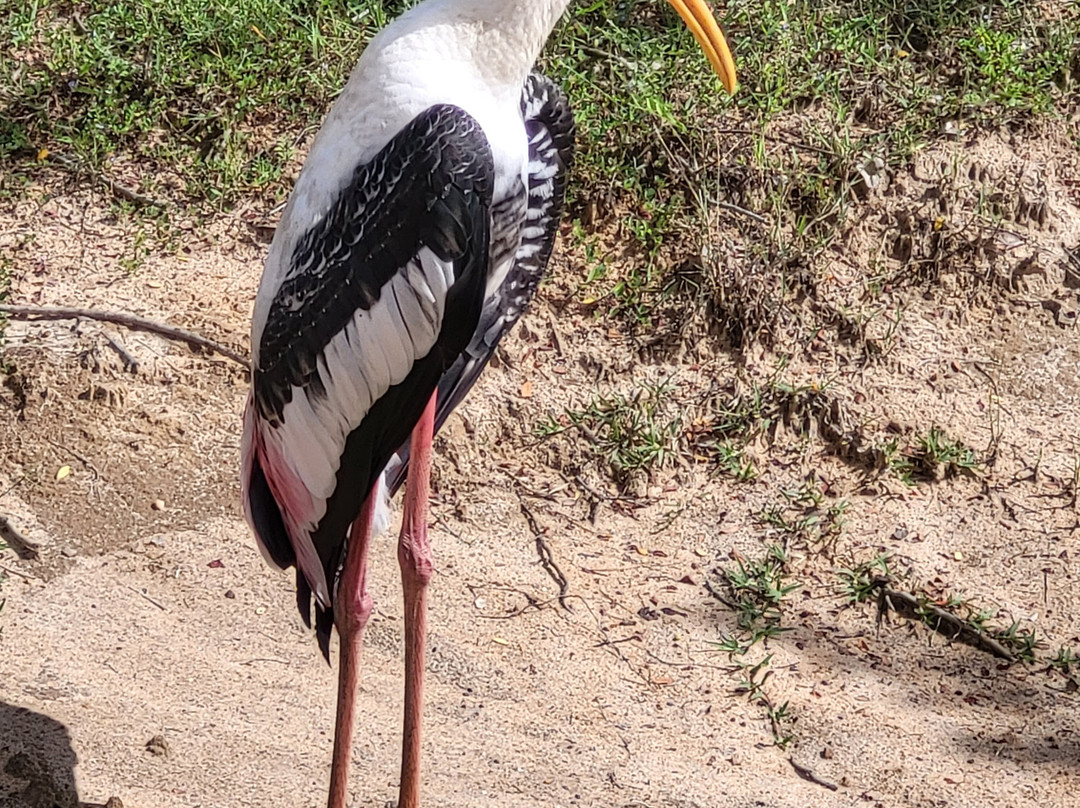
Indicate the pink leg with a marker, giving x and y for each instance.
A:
(352, 608)
(414, 557)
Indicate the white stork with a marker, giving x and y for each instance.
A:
(417, 232)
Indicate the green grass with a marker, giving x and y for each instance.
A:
(930, 456)
(223, 92)
(807, 516)
(1066, 662)
(919, 63)
(217, 92)
(733, 418)
(639, 430)
(633, 434)
(839, 83)
(858, 583)
(207, 104)
(756, 589)
(5, 278)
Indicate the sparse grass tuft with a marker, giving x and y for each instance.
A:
(940, 454)
(757, 588)
(731, 459)
(753, 685)
(5, 283)
(859, 582)
(1065, 660)
(633, 434)
(730, 418)
(931, 456)
(643, 430)
(1022, 642)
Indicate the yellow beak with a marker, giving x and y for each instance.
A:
(700, 21)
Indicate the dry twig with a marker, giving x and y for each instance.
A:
(23, 547)
(547, 558)
(131, 364)
(142, 594)
(117, 188)
(132, 321)
(810, 776)
(945, 623)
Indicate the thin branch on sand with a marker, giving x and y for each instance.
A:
(23, 547)
(117, 188)
(132, 321)
(948, 625)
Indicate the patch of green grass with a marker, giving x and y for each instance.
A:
(916, 64)
(731, 459)
(5, 284)
(898, 461)
(740, 415)
(634, 434)
(806, 521)
(1065, 660)
(1002, 66)
(643, 93)
(215, 92)
(930, 456)
(1022, 642)
(938, 452)
(222, 94)
(640, 431)
(826, 89)
(753, 685)
(858, 583)
(757, 588)
(637, 82)
(730, 418)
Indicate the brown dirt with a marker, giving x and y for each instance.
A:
(147, 618)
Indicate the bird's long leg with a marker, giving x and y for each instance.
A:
(414, 557)
(352, 608)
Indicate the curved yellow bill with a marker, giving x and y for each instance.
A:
(700, 21)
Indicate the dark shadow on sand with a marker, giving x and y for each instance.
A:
(37, 762)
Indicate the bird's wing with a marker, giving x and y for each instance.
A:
(380, 297)
(549, 123)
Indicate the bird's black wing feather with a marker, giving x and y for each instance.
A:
(430, 186)
(549, 123)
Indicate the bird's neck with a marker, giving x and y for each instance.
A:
(506, 36)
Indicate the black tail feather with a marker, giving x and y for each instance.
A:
(324, 625)
(266, 515)
(303, 598)
(324, 618)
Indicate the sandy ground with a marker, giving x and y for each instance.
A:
(150, 655)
